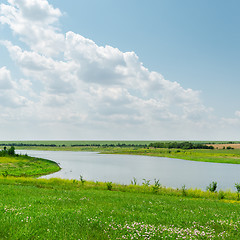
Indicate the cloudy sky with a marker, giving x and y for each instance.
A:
(119, 70)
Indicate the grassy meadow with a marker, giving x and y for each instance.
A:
(66, 209)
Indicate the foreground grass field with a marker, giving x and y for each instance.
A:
(60, 209)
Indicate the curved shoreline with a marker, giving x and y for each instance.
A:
(27, 166)
(231, 156)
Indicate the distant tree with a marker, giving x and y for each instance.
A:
(11, 151)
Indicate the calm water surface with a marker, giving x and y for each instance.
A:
(122, 168)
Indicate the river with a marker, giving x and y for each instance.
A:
(123, 168)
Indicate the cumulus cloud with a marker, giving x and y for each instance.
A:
(9, 96)
(5, 79)
(68, 78)
(33, 21)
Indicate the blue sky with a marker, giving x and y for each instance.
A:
(193, 46)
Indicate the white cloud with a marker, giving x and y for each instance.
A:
(9, 96)
(5, 79)
(73, 81)
(33, 21)
(233, 121)
(237, 113)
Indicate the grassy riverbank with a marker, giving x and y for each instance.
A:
(22, 165)
(64, 209)
(203, 155)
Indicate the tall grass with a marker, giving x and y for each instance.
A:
(66, 209)
(57, 183)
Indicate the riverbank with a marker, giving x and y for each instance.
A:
(68, 209)
(22, 165)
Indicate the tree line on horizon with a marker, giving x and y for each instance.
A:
(169, 145)
(180, 145)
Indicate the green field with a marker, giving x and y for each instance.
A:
(64, 209)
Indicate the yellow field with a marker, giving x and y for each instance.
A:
(222, 145)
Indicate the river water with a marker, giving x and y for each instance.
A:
(123, 168)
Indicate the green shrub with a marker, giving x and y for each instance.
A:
(237, 186)
(109, 186)
(146, 182)
(184, 190)
(82, 180)
(212, 187)
(156, 186)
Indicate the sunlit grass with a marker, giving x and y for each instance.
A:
(67, 184)
(26, 166)
(4, 160)
(67, 209)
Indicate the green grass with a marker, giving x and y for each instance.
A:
(26, 166)
(203, 155)
(64, 209)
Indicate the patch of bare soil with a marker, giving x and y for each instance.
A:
(221, 146)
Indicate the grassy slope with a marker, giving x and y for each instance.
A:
(59, 209)
(26, 166)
